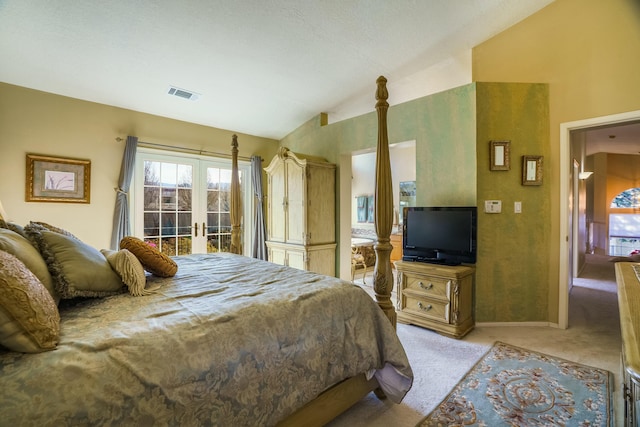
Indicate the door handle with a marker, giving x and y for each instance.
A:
(204, 228)
(195, 225)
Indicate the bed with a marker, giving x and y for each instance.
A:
(215, 339)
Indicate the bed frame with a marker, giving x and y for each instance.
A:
(343, 395)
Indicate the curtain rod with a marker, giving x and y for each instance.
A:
(186, 150)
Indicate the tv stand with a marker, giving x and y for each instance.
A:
(441, 261)
(436, 296)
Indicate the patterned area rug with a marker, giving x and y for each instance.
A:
(511, 386)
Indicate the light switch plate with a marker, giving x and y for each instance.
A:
(493, 206)
(517, 207)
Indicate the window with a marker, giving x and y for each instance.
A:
(624, 228)
(185, 201)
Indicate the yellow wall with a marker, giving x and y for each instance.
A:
(43, 123)
(588, 53)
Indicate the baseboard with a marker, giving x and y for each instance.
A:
(516, 324)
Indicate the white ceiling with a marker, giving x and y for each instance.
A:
(262, 67)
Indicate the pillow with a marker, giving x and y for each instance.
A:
(29, 318)
(130, 269)
(77, 269)
(152, 259)
(54, 228)
(22, 249)
(17, 228)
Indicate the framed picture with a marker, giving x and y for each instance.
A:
(531, 170)
(500, 153)
(57, 179)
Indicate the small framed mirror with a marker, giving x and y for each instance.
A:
(500, 153)
(531, 170)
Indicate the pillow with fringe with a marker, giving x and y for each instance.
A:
(130, 269)
(54, 228)
(29, 318)
(77, 269)
(152, 259)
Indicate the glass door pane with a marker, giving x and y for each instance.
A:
(218, 209)
(167, 208)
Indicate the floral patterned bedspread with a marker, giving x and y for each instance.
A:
(229, 340)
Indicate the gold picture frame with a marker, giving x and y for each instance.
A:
(57, 179)
(532, 170)
(500, 154)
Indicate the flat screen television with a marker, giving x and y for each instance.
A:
(442, 235)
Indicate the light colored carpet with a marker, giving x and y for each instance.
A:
(593, 338)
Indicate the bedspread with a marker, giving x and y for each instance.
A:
(229, 340)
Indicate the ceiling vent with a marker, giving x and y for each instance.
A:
(182, 93)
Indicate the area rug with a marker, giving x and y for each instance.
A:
(512, 386)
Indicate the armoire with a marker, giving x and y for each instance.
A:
(301, 230)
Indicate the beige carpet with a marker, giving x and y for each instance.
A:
(593, 338)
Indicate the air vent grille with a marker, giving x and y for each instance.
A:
(182, 93)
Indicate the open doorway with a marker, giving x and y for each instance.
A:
(357, 185)
(578, 141)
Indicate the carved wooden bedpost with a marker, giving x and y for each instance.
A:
(382, 275)
(236, 200)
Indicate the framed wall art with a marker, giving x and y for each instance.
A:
(57, 179)
(500, 153)
(531, 170)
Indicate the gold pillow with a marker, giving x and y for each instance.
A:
(152, 259)
(130, 269)
(22, 249)
(29, 318)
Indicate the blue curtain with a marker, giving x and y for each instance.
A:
(259, 248)
(121, 223)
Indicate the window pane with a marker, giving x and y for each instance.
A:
(184, 199)
(184, 245)
(213, 201)
(184, 223)
(225, 223)
(185, 176)
(168, 246)
(213, 178)
(151, 198)
(168, 174)
(168, 202)
(151, 224)
(212, 223)
(225, 201)
(168, 224)
(151, 173)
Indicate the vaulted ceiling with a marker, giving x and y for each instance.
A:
(257, 67)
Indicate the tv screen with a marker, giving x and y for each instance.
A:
(444, 235)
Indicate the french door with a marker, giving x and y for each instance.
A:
(182, 203)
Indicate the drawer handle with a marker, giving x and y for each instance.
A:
(423, 307)
(429, 286)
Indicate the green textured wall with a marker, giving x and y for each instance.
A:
(443, 126)
(452, 130)
(512, 267)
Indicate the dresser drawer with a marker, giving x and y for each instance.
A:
(433, 287)
(424, 307)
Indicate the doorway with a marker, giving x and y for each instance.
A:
(568, 251)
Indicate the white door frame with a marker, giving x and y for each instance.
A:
(565, 169)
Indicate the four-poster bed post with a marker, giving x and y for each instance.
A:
(236, 201)
(343, 395)
(383, 201)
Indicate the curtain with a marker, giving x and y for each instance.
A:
(121, 223)
(259, 249)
